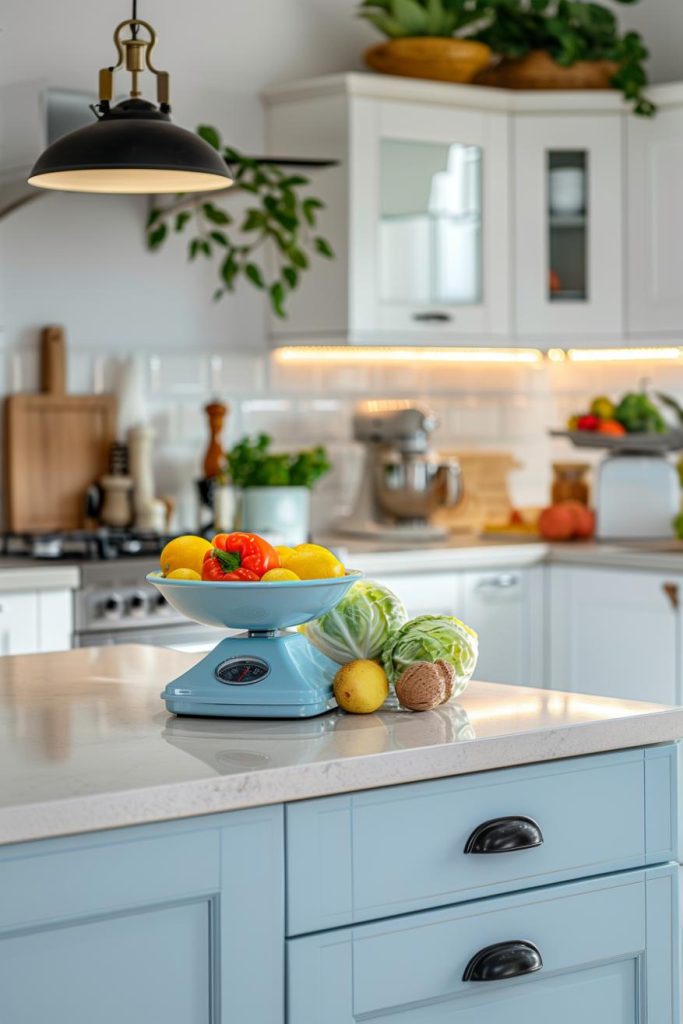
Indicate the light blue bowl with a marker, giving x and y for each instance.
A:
(258, 606)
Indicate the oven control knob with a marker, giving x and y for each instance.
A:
(137, 604)
(161, 604)
(112, 607)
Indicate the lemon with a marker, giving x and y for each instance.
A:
(279, 576)
(361, 687)
(285, 554)
(183, 574)
(186, 552)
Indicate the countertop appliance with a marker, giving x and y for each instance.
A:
(404, 482)
(269, 671)
(637, 491)
(636, 496)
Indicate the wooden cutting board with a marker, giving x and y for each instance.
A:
(56, 445)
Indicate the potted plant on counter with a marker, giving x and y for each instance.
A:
(424, 39)
(562, 44)
(275, 488)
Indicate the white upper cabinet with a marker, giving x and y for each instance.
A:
(568, 226)
(655, 206)
(473, 216)
(418, 210)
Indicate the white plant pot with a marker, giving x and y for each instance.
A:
(280, 514)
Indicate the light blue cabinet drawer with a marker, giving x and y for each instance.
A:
(181, 923)
(605, 952)
(390, 851)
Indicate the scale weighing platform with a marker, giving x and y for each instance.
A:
(268, 671)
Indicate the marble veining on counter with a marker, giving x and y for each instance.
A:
(85, 743)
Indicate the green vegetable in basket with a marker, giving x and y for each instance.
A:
(433, 638)
(637, 414)
(360, 625)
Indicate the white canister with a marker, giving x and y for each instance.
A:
(224, 508)
(280, 514)
(567, 190)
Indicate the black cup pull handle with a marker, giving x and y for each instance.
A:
(433, 317)
(504, 960)
(503, 835)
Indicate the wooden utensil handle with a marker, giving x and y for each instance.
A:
(52, 361)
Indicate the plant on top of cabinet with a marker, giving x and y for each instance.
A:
(280, 216)
(563, 44)
(422, 41)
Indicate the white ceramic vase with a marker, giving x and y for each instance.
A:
(280, 514)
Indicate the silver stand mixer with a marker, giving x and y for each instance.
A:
(403, 481)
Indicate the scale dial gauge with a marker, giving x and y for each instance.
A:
(242, 671)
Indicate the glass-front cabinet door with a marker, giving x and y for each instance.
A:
(429, 222)
(568, 226)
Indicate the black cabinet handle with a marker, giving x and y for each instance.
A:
(438, 318)
(503, 835)
(504, 960)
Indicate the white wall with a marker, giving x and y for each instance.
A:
(82, 261)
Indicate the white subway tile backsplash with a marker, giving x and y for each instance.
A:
(237, 374)
(24, 372)
(487, 406)
(176, 376)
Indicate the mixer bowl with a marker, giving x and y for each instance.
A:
(412, 486)
(253, 606)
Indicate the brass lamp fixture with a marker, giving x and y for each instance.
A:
(132, 147)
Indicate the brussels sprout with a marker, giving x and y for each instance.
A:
(433, 638)
(360, 625)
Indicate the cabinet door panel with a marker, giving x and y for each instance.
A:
(137, 968)
(177, 923)
(614, 633)
(600, 942)
(655, 212)
(436, 593)
(429, 222)
(506, 610)
(590, 811)
(55, 620)
(18, 623)
(582, 294)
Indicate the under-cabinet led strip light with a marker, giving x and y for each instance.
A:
(354, 354)
(624, 355)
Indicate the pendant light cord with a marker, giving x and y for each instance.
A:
(134, 28)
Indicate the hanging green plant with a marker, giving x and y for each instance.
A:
(282, 216)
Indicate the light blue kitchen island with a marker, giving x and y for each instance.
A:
(509, 858)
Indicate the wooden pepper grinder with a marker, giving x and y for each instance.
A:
(213, 460)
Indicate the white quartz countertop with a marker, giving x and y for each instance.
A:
(85, 743)
(30, 574)
(470, 552)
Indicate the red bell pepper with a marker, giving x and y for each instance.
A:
(239, 556)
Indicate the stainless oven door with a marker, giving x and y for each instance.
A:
(179, 636)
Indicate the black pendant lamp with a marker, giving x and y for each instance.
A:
(132, 147)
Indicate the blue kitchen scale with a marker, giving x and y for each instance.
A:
(268, 671)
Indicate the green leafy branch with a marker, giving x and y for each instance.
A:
(281, 216)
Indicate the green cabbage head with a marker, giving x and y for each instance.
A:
(433, 638)
(360, 625)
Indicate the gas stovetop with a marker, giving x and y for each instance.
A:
(84, 545)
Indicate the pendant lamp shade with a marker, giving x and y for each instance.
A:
(132, 147)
